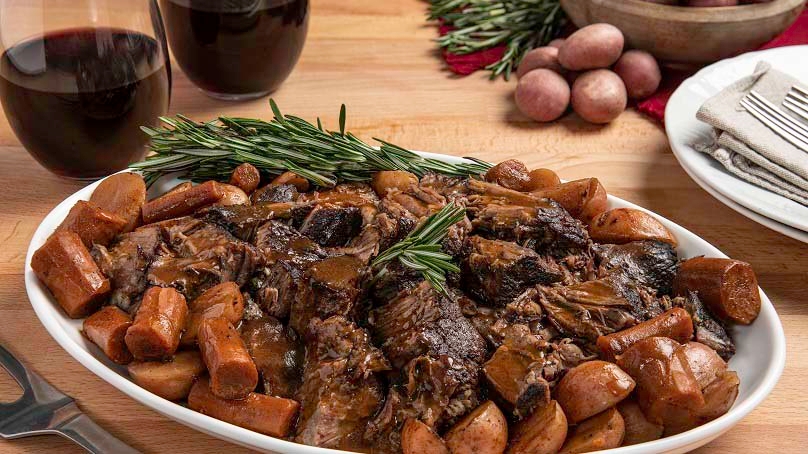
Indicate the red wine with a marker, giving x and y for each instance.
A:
(76, 98)
(236, 46)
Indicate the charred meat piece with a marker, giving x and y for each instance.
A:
(357, 195)
(649, 263)
(331, 226)
(125, 263)
(329, 287)
(394, 280)
(420, 321)
(277, 353)
(497, 271)
(708, 331)
(591, 309)
(243, 220)
(341, 390)
(275, 193)
(288, 254)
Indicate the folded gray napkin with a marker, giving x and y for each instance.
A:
(748, 148)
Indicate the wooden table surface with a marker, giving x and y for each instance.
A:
(377, 57)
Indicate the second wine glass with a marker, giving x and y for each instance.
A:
(236, 49)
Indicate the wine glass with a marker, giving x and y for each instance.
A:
(236, 49)
(78, 78)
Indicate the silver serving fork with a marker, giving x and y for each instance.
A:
(784, 125)
(44, 410)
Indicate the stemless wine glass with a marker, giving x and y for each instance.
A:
(78, 78)
(236, 49)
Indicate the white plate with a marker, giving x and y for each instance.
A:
(684, 130)
(759, 359)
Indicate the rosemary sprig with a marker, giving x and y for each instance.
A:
(211, 150)
(421, 249)
(481, 24)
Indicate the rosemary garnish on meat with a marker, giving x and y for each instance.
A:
(520, 25)
(211, 150)
(421, 249)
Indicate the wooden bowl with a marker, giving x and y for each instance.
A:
(688, 35)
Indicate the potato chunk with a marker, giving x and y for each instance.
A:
(591, 388)
(704, 362)
(122, 194)
(66, 268)
(107, 329)
(155, 334)
(623, 225)
(92, 224)
(638, 428)
(483, 431)
(543, 432)
(603, 431)
(170, 380)
(387, 180)
(233, 374)
(273, 416)
(223, 300)
(719, 396)
(585, 199)
(667, 390)
(675, 324)
(418, 438)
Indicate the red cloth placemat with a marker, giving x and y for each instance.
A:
(654, 106)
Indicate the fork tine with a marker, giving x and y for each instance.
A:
(784, 120)
(763, 118)
(799, 89)
(795, 108)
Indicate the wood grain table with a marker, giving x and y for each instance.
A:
(377, 57)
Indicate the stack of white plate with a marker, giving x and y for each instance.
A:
(767, 208)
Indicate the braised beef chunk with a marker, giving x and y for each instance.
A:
(395, 279)
(429, 392)
(125, 263)
(205, 255)
(497, 271)
(278, 355)
(420, 321)
(243, 220)
(329, 225)
(708, 331)
(590, 309)
(341, 390)
(329, 287)
(275, 193)
(514, 376)
(548, 226)
(452, 188)
(650, 263)
(531, 221)
(288, 254)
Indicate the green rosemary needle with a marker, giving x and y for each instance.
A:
(211, 150)
(521, 25)
(421, 249)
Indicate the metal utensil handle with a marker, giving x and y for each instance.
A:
(93, 438)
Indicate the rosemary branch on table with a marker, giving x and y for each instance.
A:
(421, 249)
(211, 150)
(521, 25)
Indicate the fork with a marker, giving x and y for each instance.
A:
(44, 410)
(797, 101)
(782, 124)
